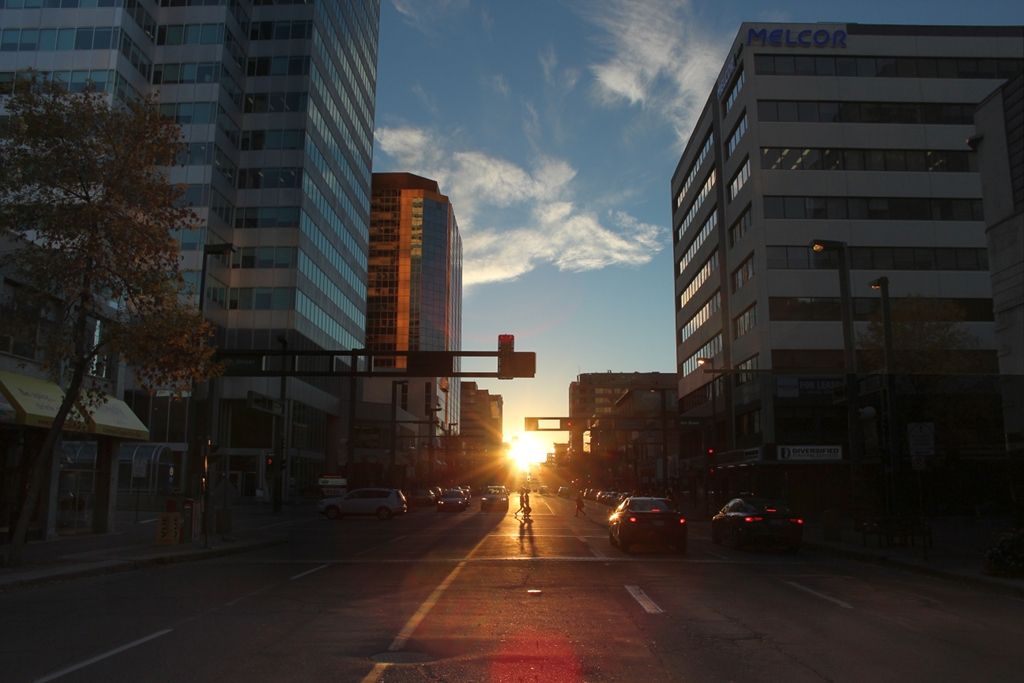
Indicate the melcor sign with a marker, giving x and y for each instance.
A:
(787, 37)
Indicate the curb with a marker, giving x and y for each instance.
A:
(978, 581)
(116, 566)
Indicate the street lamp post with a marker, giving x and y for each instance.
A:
(892, 435)
(394, 426)
(849, 350)
(219, 249)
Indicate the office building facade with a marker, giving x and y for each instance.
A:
(276, 105)
(414, 291)
(852, 135)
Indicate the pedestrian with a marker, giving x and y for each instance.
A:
(522, 503)
(579, 504)
(526, 504)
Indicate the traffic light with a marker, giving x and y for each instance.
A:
(506, 348)
(270, 462)
(565, 424)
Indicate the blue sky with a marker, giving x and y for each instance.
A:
(554, 126)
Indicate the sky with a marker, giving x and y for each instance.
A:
(554, 127)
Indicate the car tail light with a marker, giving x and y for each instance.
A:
(632, 519)
(796, 520)
(770, 510)
(753, 519)
(655, 509)
(682, 520)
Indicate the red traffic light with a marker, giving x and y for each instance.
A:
(270, 461)
(711, 452)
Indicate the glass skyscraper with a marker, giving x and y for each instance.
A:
(276, 103)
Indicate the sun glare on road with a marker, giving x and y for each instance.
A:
(525, 450)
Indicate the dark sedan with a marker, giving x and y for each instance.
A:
(762, 521)
(452, 500)
(494, 498)
(640, 519)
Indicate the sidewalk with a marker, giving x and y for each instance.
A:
(133, 545)
(957, 552)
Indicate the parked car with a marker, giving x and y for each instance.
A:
(384, 503)
(544, 490)
(452, 499)
(640, 519)
(494, 498)
(753, 520)
(564, 492)
(422, 498)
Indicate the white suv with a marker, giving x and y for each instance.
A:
(384, 503)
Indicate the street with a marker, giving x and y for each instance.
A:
(475, 596)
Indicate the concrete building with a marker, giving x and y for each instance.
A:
(480, 455)
(852, 134)
(414, 291)
(999, 139)
(276, 103)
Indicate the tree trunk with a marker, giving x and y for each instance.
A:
(39, 465)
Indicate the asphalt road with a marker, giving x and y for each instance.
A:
(478, 596)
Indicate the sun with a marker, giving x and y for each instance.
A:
(526, 450)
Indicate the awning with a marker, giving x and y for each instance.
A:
(115, 418)
(36, 402)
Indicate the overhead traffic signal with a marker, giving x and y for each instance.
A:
(506, 351)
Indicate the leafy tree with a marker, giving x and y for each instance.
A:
(86, 219)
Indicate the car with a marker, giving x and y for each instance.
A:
(384, 503)
(452, 500)
(494, 498)
(422, 498)
(754, 520)
(564, 492)
(639, 519)
(544, 490)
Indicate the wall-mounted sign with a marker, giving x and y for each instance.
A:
(788, 37)
(810, 453)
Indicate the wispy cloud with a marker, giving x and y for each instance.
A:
(515, 219)
(498, 83)
(660, 58)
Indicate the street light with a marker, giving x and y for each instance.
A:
(701, 362)
(846, 305)
(892, 438)
(394, 425)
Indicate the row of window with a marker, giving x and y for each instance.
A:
(264, 257)
(253, 140)
(832, 159)
(879, 258)
(59, 39)
(734, 91)
(326, 284)
(886, 67)
(711, 349)
(333, 220)
(737, 134)
(253, 217)
(691, 214)
(745, 368)
(691, 175)
(323, 321)
(134, 9)
(275, 102)
(743, 274)
(253, 298)
(190, 34)
(185, 113)
(701, 316)
(832, 111)
(278, 66)
(874, 208)
(744, 322)
(102, 80)
(698, 241)
(269, 178)
(739, 179)
(280, 30)
(699, 278)
(328, 252)
(829, 308)
(740, 227)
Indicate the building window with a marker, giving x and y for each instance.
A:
(835, 159)
(701, 276)
(255, 178)
(740, 179)
(691, 175)
(829, 111)
(828, 308)
(700, 317)
(745, 374)
(698, 241)
(744, 274)
(886, 67)
(748, 423)
(801, 257)
(744, 322)
(737, 134)
(873, 208)
(709, 350)
(734, 91)
(691, 214)
(739, 227)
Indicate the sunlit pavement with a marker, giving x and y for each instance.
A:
(476, 596)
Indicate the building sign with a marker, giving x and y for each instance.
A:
(787, 37)
(921, 438)
(810, 453)
(795, 387)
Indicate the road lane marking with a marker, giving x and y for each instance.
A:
(836, 601)
(117, 650)
(718, 555)
(307, 573)
(381, 545)
(417, 618)
(649, 605)
(249, 595)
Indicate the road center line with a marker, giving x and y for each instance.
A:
(308, 572)
(117, 650)
(421, 613)
(798, 586)
(645, 601)
(718, 555)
